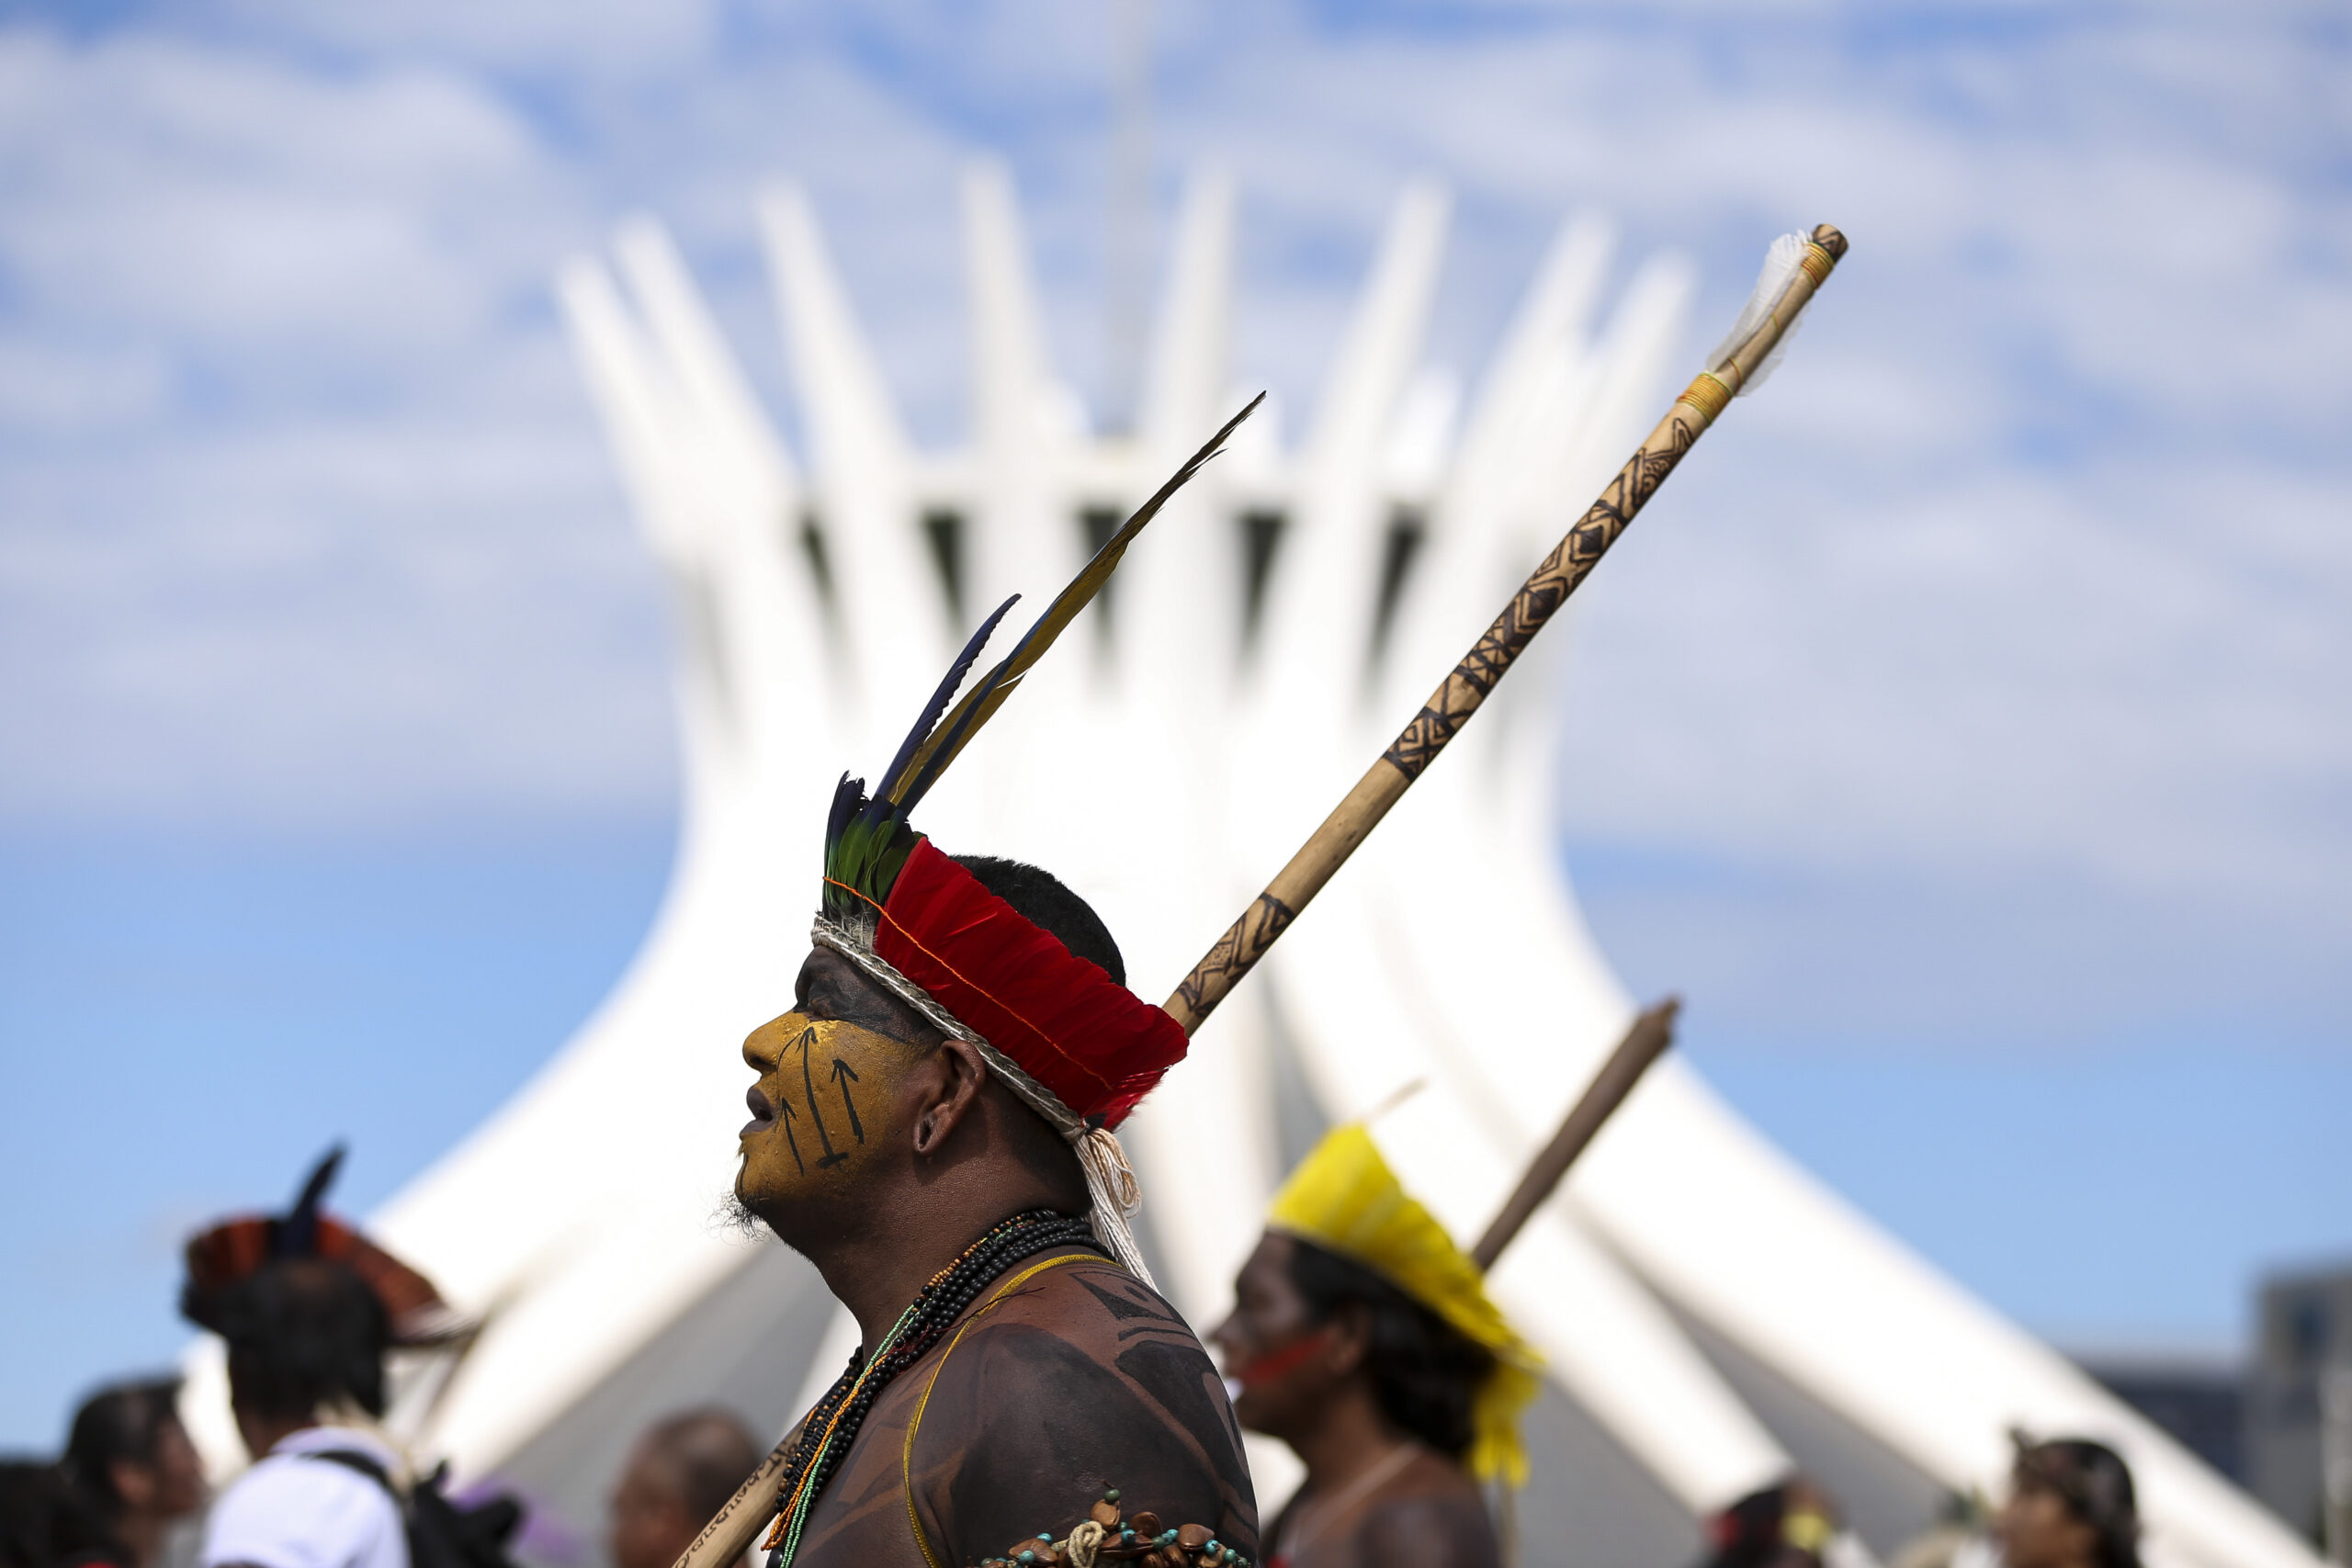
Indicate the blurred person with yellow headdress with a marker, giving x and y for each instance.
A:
(1364, 1339)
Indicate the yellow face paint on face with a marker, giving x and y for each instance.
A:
(823, 1097)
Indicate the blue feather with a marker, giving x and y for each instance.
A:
(893, 776)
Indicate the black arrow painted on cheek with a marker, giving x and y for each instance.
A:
(809, 1086)
(785, 1108)
(844, 1075)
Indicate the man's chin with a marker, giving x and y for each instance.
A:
(785, 1217)
(738, 1215)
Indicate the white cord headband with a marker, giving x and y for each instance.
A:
(1110, 1182)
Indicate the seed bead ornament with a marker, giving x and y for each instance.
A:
(832, 1427)
(1107, 1536)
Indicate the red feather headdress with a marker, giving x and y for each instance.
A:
(1079, 1048)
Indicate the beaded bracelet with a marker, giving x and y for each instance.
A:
(1104, 1536)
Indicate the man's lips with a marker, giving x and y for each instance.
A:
(763, 1113)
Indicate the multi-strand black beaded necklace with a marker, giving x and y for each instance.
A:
(832, 1427)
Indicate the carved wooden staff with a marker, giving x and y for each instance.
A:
(1450, 705)
(730, 1533)
(1645, 1042)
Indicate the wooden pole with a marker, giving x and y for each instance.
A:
(1450, 705)
(1645, 1042)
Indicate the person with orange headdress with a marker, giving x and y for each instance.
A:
(307, 1307)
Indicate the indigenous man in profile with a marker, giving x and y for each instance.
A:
(1364, 1339)
(932, 1127)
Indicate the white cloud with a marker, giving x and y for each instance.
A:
(246, 208)
(47, 388)
(303, 515)
(615, 38)
(2032, 558)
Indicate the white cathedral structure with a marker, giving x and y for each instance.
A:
(1712, 1315)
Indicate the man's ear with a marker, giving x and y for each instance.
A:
(1351, 1341)
(954, 1095)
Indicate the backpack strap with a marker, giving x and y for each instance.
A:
(440, 1533)
(364, 1465)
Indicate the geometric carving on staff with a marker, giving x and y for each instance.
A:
(1244, 943)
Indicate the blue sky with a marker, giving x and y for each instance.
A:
(1966, 737)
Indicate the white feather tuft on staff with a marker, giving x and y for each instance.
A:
(1781, 264)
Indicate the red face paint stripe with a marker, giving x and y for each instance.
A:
(1290, 1357)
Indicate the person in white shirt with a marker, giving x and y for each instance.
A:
(295, 1511)
(308, 1308)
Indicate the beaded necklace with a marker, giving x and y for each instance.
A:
(830, 1429)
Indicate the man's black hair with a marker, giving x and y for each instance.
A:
(1040, 897)
(2095, 1483)
(302, 1332)
(1753, 1533)
(1425, 1372)
(123, 1422)
(44, 1519)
